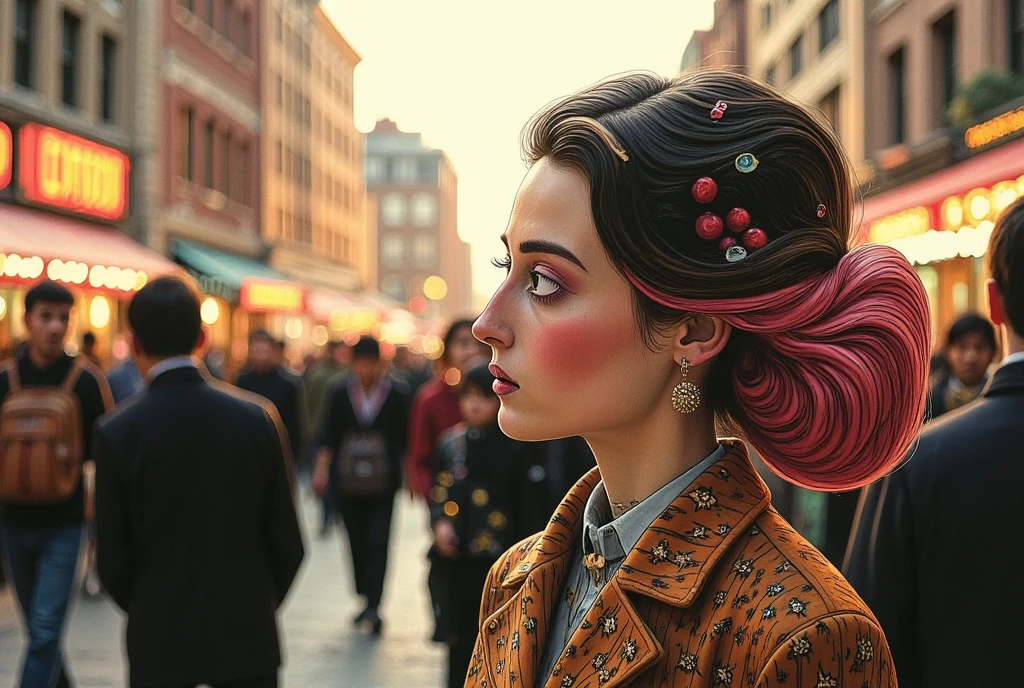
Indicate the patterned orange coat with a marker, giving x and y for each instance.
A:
(719, 591)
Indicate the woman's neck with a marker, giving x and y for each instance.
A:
(638, 459)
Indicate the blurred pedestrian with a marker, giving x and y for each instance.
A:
(125, 380)
(266, 376)
(320, 379)
(51, 401)
(362, 441)
(476, 509)
(969, 351)
(198, 536)
(436, 407)
(936, 554)
(412, 369)
(89, 348)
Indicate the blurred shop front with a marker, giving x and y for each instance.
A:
(241, 296)
(942, 221)
(63, 199)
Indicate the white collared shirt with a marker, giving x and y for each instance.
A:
(168, 364)
(1012, 358)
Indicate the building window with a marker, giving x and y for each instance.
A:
(278, 26)
(243, 33)
(766, 15)
(189, 5)
(424, 250)
(209, 13)
(427, 170)
(244, 156)
(393, 286)
(187, 143)
(24, 32)
(897, 89)
(1016, 24)
(796, 57)
(226, 13)
(424, 210)
(279, 89)
(828, 25)
(405, 169)
(393, 210)
(208, 153)
(376, 169)
(108, 71)
(225, 164)
(69, 59)
(830, 107)
(944, 41)
(393, 250)
(279, 157)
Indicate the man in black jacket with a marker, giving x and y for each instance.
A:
(266, 376)
(938, 556)
(198, 539)
(42, 541)
(365, 425)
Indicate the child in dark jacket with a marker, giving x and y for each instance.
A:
(476, 506)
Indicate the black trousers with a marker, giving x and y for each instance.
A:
(368, 524)
(268, 681)
(468, 579)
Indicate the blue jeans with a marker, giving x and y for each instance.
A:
(43, 563)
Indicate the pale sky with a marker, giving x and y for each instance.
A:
(468, 75)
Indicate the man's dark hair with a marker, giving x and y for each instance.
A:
(454, 329)
(478, 379)
(1006, 262)
(281, 346)
(366, 347)
(971, 323)
(88, 339)
(332, 347)
(262, 336)
(165, 318)
(50, 292)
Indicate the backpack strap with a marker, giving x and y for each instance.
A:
(13, 381)
(72, 379)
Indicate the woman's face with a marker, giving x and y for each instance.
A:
(562, 326)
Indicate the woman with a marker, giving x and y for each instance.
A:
(677, 256)
(436, 407)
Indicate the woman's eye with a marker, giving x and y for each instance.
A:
(541, 286)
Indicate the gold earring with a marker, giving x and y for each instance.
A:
(686, 395)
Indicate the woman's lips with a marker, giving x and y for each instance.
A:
(503, 384)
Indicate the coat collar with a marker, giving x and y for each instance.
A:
(670, 564)
(1007, 378)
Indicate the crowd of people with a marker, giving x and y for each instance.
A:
(689, 378)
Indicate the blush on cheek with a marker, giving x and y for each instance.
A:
(575, 349)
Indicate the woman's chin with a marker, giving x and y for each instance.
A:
(527, 427)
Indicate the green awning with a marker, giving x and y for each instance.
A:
(218, 273)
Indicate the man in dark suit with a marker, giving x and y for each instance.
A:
(198, 539)
(366, 421)
(939, 557)
(265, 375)
(970, 350)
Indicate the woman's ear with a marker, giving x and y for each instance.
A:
(700, 338)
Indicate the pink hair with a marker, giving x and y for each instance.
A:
(833, 385)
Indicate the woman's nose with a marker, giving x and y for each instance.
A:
(490, 327)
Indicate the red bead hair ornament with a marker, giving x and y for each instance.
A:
(704, 190)
(718, 111)
(709, 226)
(738, 220)
(726, 243)
(755, 238)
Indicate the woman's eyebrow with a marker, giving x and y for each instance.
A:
(542, 246)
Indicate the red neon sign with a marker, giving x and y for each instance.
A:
(68, 172)
(6, 155)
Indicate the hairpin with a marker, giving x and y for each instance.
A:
(738, 220)
(704, 190)
(746, 162)
(755, 238)
(719, 110)
(821, 210)
(709, 226)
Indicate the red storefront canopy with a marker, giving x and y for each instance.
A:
(1000, 164)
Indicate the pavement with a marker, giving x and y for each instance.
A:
(322, 648)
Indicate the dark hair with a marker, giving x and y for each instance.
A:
(479, 379)
(165, 318)
(1006, 262)
(453, 331)
(366, 347)
(48, 291)
(817, 328)
(88, 339)
(262, 336)
(333, 346)
(971, 323)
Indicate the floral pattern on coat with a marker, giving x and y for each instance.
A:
(758, 607)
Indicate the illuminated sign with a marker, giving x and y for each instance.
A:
(258, 296)
(68, 172)
(901, 225)
(6, 155)
(994, 129)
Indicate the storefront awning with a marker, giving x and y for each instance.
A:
(237, 279)
(1000, 164)
(35, 243)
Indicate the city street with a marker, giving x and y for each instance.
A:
(322, 647)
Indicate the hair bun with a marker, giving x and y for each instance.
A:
(832, 387)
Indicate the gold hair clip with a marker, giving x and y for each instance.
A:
(604, 134)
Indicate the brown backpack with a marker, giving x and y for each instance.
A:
(40, 440)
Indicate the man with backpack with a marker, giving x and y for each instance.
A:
(50, 404)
